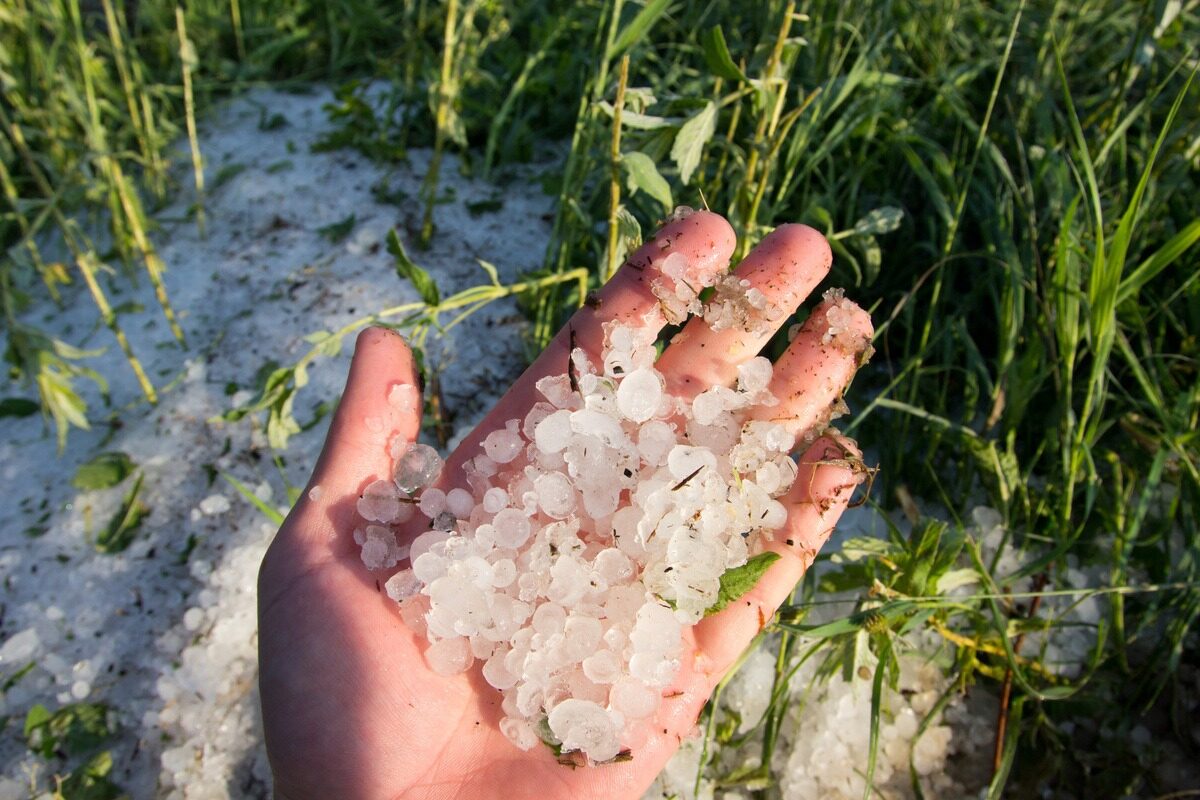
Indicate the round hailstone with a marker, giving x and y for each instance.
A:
(380, 502)
(613, 565)
(449, 656)
(417, 468)
(709, 404)
(633, 699)
(494, 499)
(460, 503)
(555, 495)
(432, 502)
(512, 528)
(755, 375)
(504, 445)
(554, 432)
(603, 666)
(549, 619)
(496, 674)
(655, 440)
(598, 424)
(683, 460)
(426, 542)
(639, 393)
(585, 726)
(402, 585)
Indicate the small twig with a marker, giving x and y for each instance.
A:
(437, 410)
(684, 482)
(571, 361)
(1006, 688)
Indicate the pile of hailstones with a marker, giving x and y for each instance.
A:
(592, 531)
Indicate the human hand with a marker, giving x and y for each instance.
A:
(350, 707)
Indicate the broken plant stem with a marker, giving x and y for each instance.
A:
(1006, 688)
(614, 176)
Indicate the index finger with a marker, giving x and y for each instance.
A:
(705, 242)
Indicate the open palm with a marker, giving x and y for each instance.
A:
(350, 708)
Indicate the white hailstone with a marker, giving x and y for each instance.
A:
(428, 567)
(555, 494)
(840, 318)
(426, 542)
(602, 666)
(754, 376)
(504, 572)
(449, 656)
(504, 445)
(599, 425)
(512, 528)
(736, 304)
(497, 674)
(613, 566)
(494, 499)
(519, 732)
(683, 461)
(581, 635)
(215, 504)
(639, 394)
(193, 618)
(585, 726)
(558, 391)
(379, 547)
(634, 699)
(374, 553)
(554, 432)
(460, 503)
(432, 502)
(418, 467)
(680, 212)
(403, 585)
(404, 397)
(549, 619)
(655, 440)
(709, 404)
(537, 412)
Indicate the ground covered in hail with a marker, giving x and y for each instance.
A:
(153, 643)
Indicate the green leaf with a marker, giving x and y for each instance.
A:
(882, 220)
(638, 27)
(338, 230)
(739, 580)
(90, 781)
(76, 729)
(17, 407)
(642, 174)
(37, 716)
(1160, 260)
(491, 270)
(103, 472)
(690, 141)
(325, 343)
(123, 526)
(634, 119)
(716, 55)
(407, 269)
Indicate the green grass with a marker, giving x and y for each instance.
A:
(1009, 187)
